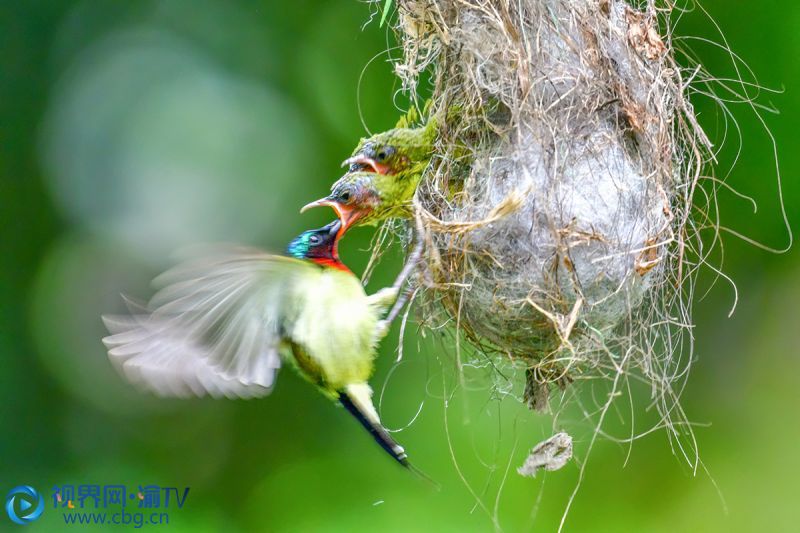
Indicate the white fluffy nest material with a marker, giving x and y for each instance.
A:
(557, 207)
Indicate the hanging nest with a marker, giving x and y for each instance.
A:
(556, 211)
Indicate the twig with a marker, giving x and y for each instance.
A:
(411, 264)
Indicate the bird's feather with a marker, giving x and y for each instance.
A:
(214, 327)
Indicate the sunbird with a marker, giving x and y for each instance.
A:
(221, 326)
(383, 174)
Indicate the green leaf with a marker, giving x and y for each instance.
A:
(386, 7)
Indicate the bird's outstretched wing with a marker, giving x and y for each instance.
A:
(214, 327)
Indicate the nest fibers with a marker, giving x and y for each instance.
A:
(557, 209)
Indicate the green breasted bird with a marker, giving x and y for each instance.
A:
(383, 175)
(221, 326)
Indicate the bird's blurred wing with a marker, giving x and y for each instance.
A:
(214, 327)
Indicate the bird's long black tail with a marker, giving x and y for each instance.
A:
(375, 429)
(357, 399)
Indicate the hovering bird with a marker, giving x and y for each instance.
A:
(221, 326)
(383, 175)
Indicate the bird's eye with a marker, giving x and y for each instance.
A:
(384, 153)
(345, 196)
(315, 239)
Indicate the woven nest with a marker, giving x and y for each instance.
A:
(556, 211)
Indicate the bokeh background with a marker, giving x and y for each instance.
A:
(128, 129)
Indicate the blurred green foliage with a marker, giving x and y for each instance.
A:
(131, 128)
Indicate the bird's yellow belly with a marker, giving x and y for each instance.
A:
(333, 336)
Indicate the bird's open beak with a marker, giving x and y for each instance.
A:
(368, 163)
(347, 214)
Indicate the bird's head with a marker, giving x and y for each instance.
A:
(354, 197)
(319, 245)
(382, 175)
(401, 151)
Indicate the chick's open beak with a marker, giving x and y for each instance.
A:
(367, 163)
(347, 214)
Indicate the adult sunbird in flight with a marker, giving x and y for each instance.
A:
(383, 175)
(222, 325)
